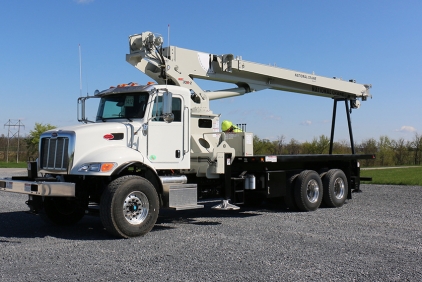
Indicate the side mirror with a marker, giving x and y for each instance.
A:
(81, 109)
(168, 115)
(145, 129)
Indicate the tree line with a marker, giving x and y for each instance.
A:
(389, 152)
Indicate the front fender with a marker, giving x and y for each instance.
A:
(147, 171)
(119, 155)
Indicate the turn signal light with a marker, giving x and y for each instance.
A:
(107, 167)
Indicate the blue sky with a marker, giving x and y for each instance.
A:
(373, 42)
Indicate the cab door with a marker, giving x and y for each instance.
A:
(166, 141)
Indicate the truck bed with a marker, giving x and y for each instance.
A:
(289, 162)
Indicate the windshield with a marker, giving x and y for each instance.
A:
(129, 106)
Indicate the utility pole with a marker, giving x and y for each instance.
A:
(13, 130)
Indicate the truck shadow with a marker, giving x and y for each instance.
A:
(21, 224)
(24, 225)
(203, 216)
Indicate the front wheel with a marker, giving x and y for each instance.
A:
(63, 211)
(129, 206)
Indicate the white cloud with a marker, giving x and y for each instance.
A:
(306, 123)
(407, 128)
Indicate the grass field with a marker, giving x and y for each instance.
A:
(13, 165)
(395, 176)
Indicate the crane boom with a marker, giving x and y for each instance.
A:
(179, 66)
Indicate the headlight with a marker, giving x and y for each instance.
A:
(97, 167)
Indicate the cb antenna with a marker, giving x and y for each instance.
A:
(168, 35)
(168, 52)
(80, 72)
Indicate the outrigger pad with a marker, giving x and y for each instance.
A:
(225, 206)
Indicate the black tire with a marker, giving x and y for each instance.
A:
(308, 191)
(63, 211)
(289, 197)
(335, 188)
(129, 207)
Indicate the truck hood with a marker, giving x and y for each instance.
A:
(99, 142)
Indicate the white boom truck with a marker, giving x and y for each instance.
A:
(159, 146)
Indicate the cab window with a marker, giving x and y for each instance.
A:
(131, 105)
(157, 110)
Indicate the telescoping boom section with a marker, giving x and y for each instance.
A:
(179, 66)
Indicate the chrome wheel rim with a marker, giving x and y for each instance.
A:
(339, 188)
(312, 191)
(136, 207)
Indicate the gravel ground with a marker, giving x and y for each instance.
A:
(377, 236)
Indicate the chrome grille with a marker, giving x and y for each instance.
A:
(54, 153)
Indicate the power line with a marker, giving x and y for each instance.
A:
(13, 130)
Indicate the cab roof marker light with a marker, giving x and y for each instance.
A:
(125, 85)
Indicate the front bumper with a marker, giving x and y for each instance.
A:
(38, 188)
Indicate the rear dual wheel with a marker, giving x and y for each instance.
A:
(335, 188)
(289, 198)
(308, 191)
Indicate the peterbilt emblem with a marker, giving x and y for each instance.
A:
(113, 136)
(108, 136)
(54, 134)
